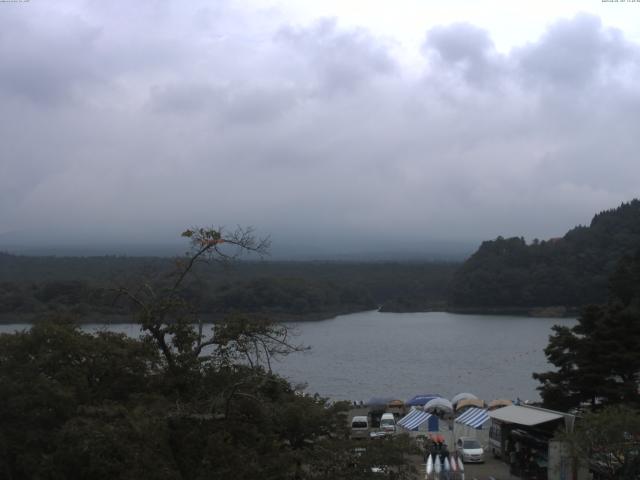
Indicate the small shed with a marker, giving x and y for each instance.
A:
(522, 434)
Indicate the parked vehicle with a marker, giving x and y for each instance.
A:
(388, 423)
(469, 450)
(360, 427)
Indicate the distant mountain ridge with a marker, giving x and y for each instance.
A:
(571, 271)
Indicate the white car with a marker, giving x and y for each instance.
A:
(360, 427)
(388, 423)
(469, 450)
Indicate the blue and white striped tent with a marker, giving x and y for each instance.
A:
(473, 417)
(416, 418)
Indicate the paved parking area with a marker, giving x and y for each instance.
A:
(492, 467)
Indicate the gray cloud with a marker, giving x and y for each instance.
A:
(45, 63)
(466, 50)
(183, 98)
(339, 61)
(232, 105)
(576, 52)
(136, 127)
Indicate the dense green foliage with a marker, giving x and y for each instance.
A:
(181, 402)
(610, 439)
(288, 295)
(571, 271)
(80, 406)
(84, 286)
(598, 360)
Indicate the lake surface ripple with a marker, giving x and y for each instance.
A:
(357, 356)
(369, 354)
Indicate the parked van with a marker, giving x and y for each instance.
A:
(360, 427)
(388, 423)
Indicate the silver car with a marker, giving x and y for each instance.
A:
(469, 450)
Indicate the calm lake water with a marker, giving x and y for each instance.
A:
(367, 354)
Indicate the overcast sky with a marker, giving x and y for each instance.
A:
(316, 121)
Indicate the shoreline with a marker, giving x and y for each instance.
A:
(558, 311)
(119, 319)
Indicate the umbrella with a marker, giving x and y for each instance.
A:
(441, 403)
(395, 404)
(469, 402)
(462, 396)
(493, 404)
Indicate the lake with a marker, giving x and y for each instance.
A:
(357, 356)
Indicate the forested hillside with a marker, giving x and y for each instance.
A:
(571, 271)
(597, 359)
(85, 286)
(505, 274)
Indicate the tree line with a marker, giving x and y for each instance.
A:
(184, 401)
(287, 290)
(571, 271)
(597, 376)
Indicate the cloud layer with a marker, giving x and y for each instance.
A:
(131, 124)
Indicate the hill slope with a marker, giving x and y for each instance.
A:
(571, 271)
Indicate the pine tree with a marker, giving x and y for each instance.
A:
(598, 360)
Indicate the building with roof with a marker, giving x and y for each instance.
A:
(523, 436)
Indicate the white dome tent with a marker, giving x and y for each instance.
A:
(462, 396)
(439, 404)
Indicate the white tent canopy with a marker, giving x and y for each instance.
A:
(474, 417)
(462, 396)
(414, 419)
(441, 403)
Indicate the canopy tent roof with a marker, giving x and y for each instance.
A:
(527, 416)
(395, 404)
(474, 417)
(499, 403)
(413, 419)
(379, 401)
(421, 399)
(440, 402)
(462, 396)
(469, 402)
